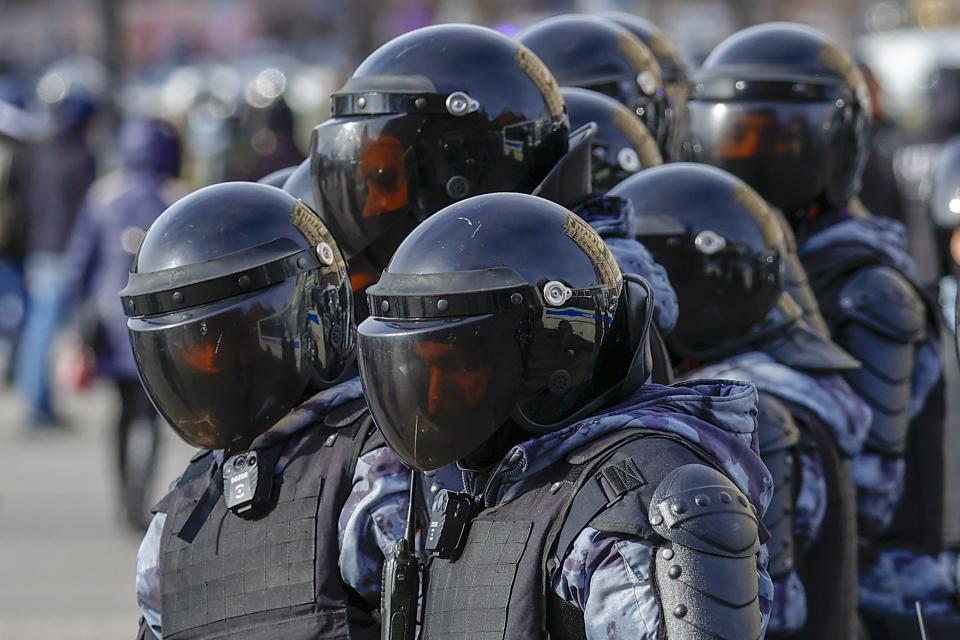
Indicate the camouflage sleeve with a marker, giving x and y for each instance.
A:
(879, 483)
(372, 520)
(148, 574)
(811, 501)
(608, 578)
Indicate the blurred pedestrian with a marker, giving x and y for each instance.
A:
(116, 214)
(57, 173)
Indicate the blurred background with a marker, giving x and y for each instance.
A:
(238, 86)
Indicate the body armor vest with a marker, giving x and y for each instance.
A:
(501, 586)
(924, 521)
(277, 574)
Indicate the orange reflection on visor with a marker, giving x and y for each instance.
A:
(202, 358)
(751, 134)
(381, 169)
(452, 381)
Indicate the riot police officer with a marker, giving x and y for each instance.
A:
(721, 242)
(446, 112)
(594, 505)
(621, 147)
(597, 54)
(239, 312)
(786, 109)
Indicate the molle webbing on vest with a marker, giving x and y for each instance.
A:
(236, 567)
(276, 576)
(470, 598)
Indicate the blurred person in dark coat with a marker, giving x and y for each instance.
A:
(57, 173)
(117, 211)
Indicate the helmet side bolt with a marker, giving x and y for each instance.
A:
(556, 293)
(325, 253)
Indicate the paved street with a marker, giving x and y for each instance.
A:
(66, 564)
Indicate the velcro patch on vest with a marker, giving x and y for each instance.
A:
(469, 598)
(621, 477)
(236, 566)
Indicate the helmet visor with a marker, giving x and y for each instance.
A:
(365, 169)
(222, 374)
(778, 148)
(438, 389)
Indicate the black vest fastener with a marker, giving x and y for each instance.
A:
(273, 576)
(501, 586)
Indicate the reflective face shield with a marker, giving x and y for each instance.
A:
(446, 361)
(388, 160)
(776, 136)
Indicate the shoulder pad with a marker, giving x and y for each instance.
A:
(884, 382)
(200, 454)
(706, 571)
(779, 437)
(699, 507)
(885, 301)
(776, 429)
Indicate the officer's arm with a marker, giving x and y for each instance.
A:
(880, 319)
(705, 568)
(148, 576)
(618, 581)
(372, 519)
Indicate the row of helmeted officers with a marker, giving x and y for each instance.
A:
(485, 367)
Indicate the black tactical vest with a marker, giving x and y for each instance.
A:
(501, 585)
(276, 576)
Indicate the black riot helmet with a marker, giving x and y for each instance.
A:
(593, 53)
(622, 145)
(238, 302)
(673, 71)
(430, 118)
(785, 109)
(504, 307)
(720, 245)
(945, 187)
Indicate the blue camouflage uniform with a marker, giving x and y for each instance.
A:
(829, 398)
(895, 578)
(372, 519)
(607, 576)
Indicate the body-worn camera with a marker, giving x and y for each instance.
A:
(448, 528)
(247, 483)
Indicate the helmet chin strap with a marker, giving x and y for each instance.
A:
(638, 296)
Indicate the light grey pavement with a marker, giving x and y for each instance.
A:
(66, 562)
